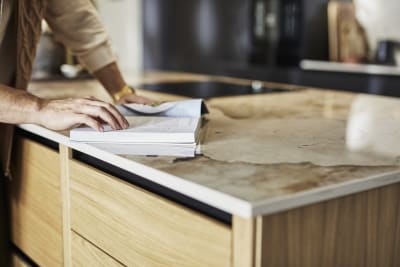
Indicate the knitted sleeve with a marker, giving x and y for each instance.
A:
(76, 23)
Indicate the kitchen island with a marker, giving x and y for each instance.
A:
(298, 178)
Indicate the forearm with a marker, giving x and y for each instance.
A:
(17, 106)
(111, 78)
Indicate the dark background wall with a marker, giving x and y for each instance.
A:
(195, 35)
(217, 37)
(192, 34)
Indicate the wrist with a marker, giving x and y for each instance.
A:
(126, 90)
(36, 111)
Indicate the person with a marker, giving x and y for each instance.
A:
(76, 24)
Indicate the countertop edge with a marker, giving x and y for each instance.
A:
(215, 198)
(313, 196)
(198, 192)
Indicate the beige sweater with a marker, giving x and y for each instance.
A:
(74, 22)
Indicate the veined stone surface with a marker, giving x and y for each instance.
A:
(270, 152)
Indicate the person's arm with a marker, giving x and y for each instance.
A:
(76, 23)
(111, 79)
(18, 106)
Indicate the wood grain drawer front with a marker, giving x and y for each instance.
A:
(85, 254)
(17, 261)
(35, 202)
(139, 228)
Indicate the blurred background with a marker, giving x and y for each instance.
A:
(347, 45)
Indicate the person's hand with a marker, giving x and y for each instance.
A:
(69, 113)
(133, 98)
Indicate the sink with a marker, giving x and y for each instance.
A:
(209, 89)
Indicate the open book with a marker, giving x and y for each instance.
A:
(171, 128)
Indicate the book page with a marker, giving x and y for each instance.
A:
(150, 125)
(193, 108)
(143, 129)
(161, 124)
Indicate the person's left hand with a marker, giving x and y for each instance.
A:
(134, 98)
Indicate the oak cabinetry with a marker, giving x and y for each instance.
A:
(35, 202)
(361, 229)
(139, 228)
(67, 213)
(86, 254)
(17, 261)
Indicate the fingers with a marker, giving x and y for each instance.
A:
(103, 110)
(111, 108)
(68, 113)
(103, 114)
(91, 98)
(89, 121)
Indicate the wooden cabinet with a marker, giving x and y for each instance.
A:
(138, 228)
(86, 254)
(35, 202)
(362, 229)
(66, 213)
(17, 261)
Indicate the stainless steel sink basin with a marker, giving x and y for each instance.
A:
(210, 89)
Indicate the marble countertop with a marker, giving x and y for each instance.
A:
(265, 153)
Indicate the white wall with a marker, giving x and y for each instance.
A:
(123, 21)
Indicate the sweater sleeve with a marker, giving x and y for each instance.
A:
(76, 23)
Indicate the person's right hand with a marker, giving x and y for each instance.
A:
(69, 113)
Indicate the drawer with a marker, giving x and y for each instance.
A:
(17, 261)
(139, 228)
(35, 202)
(86, 254)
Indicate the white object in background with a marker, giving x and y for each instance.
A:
(374, 126)
(380, 19)
(372, 69)
(71, 71)
(123, 21)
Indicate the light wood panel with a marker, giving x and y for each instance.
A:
(244, 241)
(141, 229)
(358, 230)
(65, 156)
(85, 254)
(35, 202)
(17, 261)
